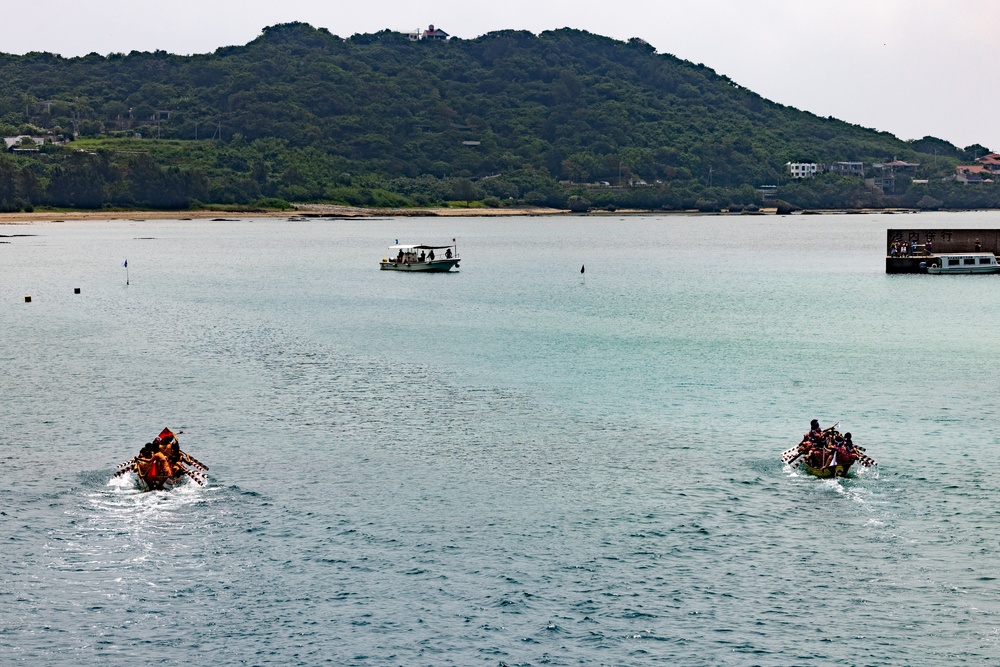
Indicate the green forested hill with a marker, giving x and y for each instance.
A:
(302, 115)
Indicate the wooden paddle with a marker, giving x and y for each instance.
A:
(866, 460)
(195, 475)
(123, 471)
(187, 458)
(129, 463)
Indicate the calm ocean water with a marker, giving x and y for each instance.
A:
(515, 464)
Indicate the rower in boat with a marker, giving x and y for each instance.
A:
(161, 463)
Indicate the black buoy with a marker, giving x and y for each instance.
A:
(76, 290)
(582, 267)
(27, 299)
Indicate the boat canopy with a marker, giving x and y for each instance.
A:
(406, 248)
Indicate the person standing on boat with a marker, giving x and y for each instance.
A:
(447, 253)
(430, 256)
(422, 256)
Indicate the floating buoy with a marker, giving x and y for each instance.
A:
(582, 267)
(76, 290)
(27, 299)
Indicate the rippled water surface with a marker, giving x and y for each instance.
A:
(514, 464)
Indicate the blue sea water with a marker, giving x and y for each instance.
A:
(515, 464)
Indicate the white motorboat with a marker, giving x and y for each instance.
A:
(969, 262)
(413, 257)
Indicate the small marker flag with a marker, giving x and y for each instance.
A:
(125, 264)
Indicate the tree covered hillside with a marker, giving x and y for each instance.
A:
(302, 115)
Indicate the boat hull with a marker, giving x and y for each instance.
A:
(938, 270)
(431, 266)
(827, 472)
(158, 482)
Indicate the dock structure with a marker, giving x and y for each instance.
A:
(922, 244)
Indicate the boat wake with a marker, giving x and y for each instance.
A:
(122, 501)
(853, 488)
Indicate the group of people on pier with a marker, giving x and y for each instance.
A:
(823, 448)
(904, 249)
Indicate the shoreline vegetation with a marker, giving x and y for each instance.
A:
(303, 211)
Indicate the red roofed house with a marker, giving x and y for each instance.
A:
(972, 174)
(435, 33)
(991, 161)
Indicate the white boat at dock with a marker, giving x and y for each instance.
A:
(968, 262)
(413, 257)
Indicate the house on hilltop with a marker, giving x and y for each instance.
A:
(435, 33)
(430, 33)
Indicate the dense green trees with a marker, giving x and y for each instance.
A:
(302, 115)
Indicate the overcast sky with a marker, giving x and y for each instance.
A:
(909, 67)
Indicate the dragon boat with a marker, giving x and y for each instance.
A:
(161, 465)
(826, 453)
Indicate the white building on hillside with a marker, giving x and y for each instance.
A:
(802, 169)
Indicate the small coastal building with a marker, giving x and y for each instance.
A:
(430, 33)
(435, 33)
(896, 166)
(768, 192)
(991, 162)
(802, 169)
(972, 174)
(886, 182)
(847, 169)
(11, 143)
